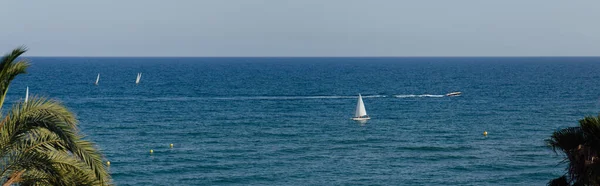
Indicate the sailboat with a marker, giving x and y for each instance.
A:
(97, 78)
(139, 76)
(361, 113)
(26, 94)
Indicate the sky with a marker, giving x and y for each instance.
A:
(239, 28)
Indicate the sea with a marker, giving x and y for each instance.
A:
(286, 121)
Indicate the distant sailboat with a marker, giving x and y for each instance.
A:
(97, 78)
(361, 113)
(26, 94)
(139, 76)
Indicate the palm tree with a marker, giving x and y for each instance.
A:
(40, 143)
(581, 147)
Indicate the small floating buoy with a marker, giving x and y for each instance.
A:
(108, 163)
(171, 145)
(484, 133)
(151, 151)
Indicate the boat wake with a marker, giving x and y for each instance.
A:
(220, 98)
(200, 98)
(294, 97)
(419, 96)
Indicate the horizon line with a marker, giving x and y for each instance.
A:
(312, 56)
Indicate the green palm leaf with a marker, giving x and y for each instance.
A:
(9, 69)
(40, 143)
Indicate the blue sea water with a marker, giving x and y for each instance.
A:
(285, 121)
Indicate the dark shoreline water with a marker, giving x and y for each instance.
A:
(285, 121)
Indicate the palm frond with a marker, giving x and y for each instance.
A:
(10, 57)
(560, 181)
(566, 139)
(93, 158)
(40, 143)
(67, 171)
(19, 160)
(27, 119)
(9, 69)
(70, 171)
(40, 113)
(591, 127)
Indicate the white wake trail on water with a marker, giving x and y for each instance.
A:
(419, 96)
(193, 98)
(294, 97)
(199, 98)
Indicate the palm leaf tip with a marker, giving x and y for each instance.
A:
(10, 57)
(41, 137)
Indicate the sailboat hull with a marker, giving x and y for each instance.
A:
(360, 119)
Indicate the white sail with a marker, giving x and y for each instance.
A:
(26, 94)
(139, 76)
(360, 108)
(97, 78)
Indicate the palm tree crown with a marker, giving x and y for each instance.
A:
(40, 143)
(581, 147)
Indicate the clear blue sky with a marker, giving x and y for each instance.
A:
(302, 27)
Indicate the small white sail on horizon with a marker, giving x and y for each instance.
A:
(360, 113)
(26, 94)
(139, 76)
(98, 79)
